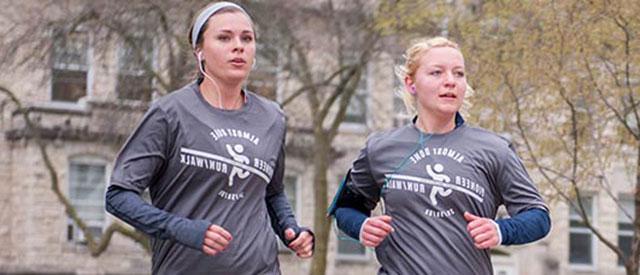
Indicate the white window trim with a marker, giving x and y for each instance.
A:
(625, 233)
(78, 236)
(81, 103)
(594, 242)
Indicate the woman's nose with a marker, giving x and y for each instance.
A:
(449, 80)
(238, 45)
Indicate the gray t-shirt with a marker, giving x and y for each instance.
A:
(427, 182)
(204, 163)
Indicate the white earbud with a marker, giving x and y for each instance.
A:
(201, 68)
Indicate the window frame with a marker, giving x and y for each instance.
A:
(364, 92)
(120, 71)
(344, 257)
(76, 236)
(61, 104)
(584, 230)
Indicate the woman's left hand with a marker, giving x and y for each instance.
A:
(483, 231)
(303, 245)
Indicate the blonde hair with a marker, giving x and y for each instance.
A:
(412, 62)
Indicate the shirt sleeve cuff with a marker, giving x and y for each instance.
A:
(498, 230)
(191, 232)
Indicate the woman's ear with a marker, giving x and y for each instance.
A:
(409, 86)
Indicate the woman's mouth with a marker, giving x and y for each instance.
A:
(238, 61)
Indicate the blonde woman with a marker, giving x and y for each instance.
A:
(440, 179)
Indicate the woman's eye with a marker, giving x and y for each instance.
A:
(223, 38)
(247, 38)
(459, 74)
(435, 73)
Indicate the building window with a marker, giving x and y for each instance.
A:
(400, 117)
(70, 66)
(581, 240)
(350, 249)
(625, 226)
(134, 62)
(264, 76)
(291, 190)
(87, 181)
(357, 110)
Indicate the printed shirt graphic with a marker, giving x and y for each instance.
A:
(217, 165)
(427, 187)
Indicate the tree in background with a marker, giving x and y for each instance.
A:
(324, 48)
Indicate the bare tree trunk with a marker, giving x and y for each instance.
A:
(321, 223)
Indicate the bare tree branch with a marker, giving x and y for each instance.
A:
(314, 86)
(623, 24)
(623, 121)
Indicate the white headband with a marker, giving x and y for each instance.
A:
(204, 16)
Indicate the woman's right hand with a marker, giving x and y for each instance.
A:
(375, 229)
(216, 240)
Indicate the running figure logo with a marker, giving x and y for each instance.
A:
(235, 153)
(435, 175)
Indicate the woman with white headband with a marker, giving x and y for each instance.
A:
(212, 156)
